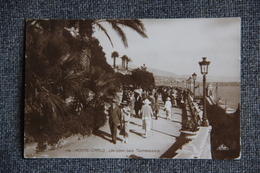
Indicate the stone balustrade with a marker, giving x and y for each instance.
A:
(199, 146)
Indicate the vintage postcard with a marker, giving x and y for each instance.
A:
(143, 88)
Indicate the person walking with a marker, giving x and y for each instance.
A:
(137, 104)
(156, 109)
(126, 112)
(147, 113)
(132, 104)
(114, 114)
(168, 108)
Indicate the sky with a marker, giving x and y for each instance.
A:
(177, 45)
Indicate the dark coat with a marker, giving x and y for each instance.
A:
(114, 115)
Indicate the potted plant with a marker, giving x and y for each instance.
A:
(189, 129)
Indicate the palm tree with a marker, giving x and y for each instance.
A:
(114, 55)
(58, 54)
(124, 58)
(59, 84)
(82, 31)
(127, 61)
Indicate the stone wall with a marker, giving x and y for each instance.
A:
(197, 148)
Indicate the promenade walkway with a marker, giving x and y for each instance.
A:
(161, 141)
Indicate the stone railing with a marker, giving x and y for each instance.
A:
(199, 146)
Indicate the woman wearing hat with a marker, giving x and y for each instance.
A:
(147, 114)
(126, 112)
(168, 108)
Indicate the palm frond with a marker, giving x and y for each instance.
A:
(51, 104)
(119, 31)
(136, 25)
(105, 31)
(139, 23)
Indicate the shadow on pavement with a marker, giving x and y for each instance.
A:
(176, 121)
(171, 152)
(177, 113)
(105, 135)
(135, 123)
(164, 133)
(139, 134)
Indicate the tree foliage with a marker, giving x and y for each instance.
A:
(124, 80)
(98, 58)
(68, 80)
(143, 79)
(62, 66)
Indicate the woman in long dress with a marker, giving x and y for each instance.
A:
(126, 112)
(147, 114)
(168, 108)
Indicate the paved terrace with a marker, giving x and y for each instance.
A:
(163, 141)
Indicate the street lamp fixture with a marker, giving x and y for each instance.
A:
(204, 64)
(194, 76)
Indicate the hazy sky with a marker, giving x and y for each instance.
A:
(177, 45)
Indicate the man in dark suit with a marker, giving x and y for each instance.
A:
(114, 119)
(138, 104)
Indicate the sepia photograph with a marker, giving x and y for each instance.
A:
(133, 88)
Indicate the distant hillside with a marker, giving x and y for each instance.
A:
(214, 78)
(156, 72)
(161, 73)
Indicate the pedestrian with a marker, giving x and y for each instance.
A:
(138, 103)
(168, 108)
(132, 104)
(173, 98)
(125, 96)
(147, 113)
(126, 112)
(152, 100)
(156, 109)
(164, 96)
(156, 95)
(114, 114)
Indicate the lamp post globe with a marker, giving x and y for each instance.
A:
(204, 64)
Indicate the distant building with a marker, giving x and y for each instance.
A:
(121, 69)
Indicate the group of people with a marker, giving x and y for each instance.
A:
(139, 104)
(119, 118)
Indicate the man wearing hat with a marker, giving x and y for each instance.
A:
(114, 114)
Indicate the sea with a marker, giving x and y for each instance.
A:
(227, 94)
(230, 95)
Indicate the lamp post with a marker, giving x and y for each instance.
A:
(189, 83)
(204, 64)
(194, 76)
